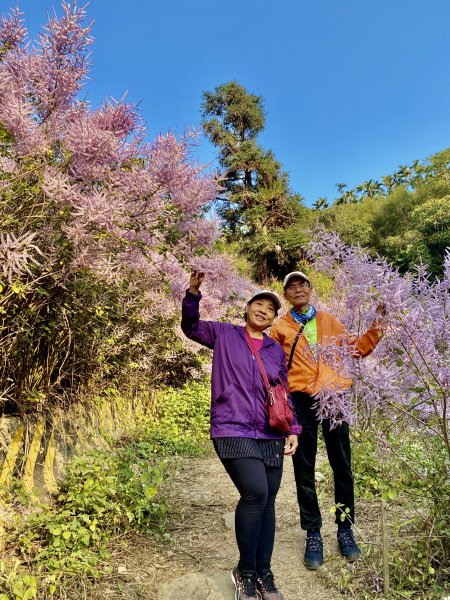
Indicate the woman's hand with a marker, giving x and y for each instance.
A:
(291, 445)
(196, 281)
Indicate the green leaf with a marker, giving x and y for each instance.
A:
(150, 491)
(17, 588)
(41, 291)
(29, 594)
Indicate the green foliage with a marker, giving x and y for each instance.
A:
(431, 221)
(410, 472)
(432, 171)
(407, 226)
(413, 226)
(181, 418)
(279, 251)
(104, 493)
(353, 222)
(231, 109)
(257, 206)
(18, 586)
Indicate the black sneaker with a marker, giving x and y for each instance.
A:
(313, 551)
(266, 587)
(347, 545)
(245, 584)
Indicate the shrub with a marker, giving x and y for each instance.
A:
(104, 493)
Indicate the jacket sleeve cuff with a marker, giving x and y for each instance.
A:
(192, 296)
(295, 430)
(379, 328)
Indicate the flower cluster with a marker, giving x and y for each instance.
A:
(17, 255)
(410, 367)
(122, 203)
(12, 31)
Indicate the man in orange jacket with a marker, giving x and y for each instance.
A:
(305, 327)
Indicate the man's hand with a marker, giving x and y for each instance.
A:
(381, 313)
(196, 281)
(381, 310)
(291, 445)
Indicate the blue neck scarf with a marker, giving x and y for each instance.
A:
(304, 317)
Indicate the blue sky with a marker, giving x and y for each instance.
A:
(352, 89)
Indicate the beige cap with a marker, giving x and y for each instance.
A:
(268, 294)
(290, 276)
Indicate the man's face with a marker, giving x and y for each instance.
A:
(298, 292)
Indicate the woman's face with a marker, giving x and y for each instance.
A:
(260, 313)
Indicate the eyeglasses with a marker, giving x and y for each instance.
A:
(298, 286)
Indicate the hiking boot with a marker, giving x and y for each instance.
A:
(267, 588)
(245, 584)
(347, 545)
(313, 551)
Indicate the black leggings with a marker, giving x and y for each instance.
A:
(258, 486)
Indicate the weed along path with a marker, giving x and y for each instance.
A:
(196, 565)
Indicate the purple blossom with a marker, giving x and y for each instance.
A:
(8, 165)
(409, 370)
(124, 205)
(12, 30)
(18, 254)
(56, 70)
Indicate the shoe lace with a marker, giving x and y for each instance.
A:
(313, 543)
(346, 539)
(266, 583)
(247, 584)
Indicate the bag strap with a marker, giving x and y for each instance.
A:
(291, 355)
(248, 339)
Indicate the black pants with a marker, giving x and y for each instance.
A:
(258, 486)
(337, 442)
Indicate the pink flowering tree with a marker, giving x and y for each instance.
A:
(400, 397)
(99, 226)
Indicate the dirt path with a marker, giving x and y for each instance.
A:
(207, 495)
(197, 564)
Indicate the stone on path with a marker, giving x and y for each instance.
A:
(228, 519)
(194, 586)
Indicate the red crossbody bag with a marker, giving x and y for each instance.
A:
(278, 409)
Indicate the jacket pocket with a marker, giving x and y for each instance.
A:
(226, 393)
(235, 407)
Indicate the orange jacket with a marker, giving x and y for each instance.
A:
(307, 374)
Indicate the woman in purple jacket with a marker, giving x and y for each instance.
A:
(251, 452)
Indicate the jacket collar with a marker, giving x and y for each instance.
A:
(290, 319)
(267, 341)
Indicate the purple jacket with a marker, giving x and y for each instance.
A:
(237, 389)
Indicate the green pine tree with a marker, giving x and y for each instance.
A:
(257, 207)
